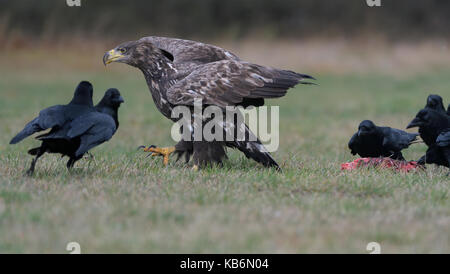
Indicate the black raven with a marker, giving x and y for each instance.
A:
(428, 135)
(374, 141)
(79, 134)
(95, 128)
(110, 104)
(443, 141)
(448, 110)
(435, 102)
(437, 125)
(57, 116)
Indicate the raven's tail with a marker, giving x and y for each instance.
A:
(34, 151)
(29, 129)
(20, 136)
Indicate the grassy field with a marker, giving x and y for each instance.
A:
(124, 202)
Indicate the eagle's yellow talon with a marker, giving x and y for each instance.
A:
(195, 168)
(163, 151)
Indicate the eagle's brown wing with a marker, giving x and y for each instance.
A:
(189, 54)
(230, 82)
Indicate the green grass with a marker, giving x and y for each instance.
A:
(124, 202)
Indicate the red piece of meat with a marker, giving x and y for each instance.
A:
(382, 163)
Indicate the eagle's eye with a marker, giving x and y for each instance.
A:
(122, 50)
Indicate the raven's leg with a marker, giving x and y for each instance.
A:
(91, 158)
(398, 156)
(72, 161)
(90, 155)
(447, 157)
(39, 152)
(422, 160)
(160, 151)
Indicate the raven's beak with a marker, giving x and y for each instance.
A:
(119, 100)
(112, 56)
(416, 122)
(359, 133)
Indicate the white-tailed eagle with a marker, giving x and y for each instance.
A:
(180, 71)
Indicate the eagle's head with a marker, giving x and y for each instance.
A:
(140, 54)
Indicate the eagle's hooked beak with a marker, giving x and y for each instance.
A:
(416, 122)
(112, 56)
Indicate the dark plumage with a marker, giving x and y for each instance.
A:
(97, 127)
(180, 71)
(437, 124)
(448, 110)
(55, 117)
(435, 102)
(374, 141)
(428, 135)
(110, 104)
(443, 139)
(80, 126)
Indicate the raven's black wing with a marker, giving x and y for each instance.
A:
(93, 129)
(396, 139)
(71, 112)
(353, 144)
(443, 140)
(48, 118)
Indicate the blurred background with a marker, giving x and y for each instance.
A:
(231, 19)
(320, 36)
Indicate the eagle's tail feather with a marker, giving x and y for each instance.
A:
(254, 149)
